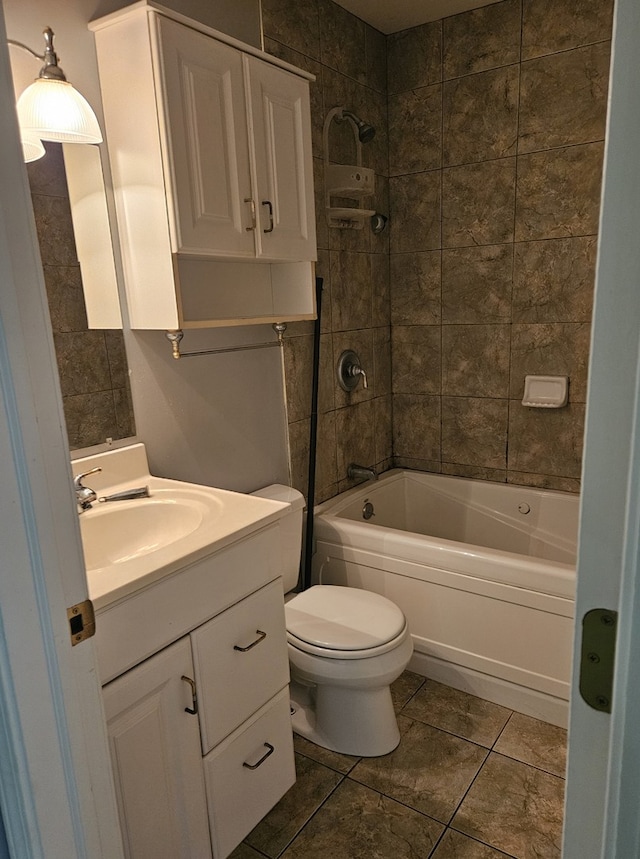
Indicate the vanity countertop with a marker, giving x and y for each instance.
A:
(130, 545)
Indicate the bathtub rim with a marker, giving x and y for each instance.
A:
(493, 564)
(343, 499)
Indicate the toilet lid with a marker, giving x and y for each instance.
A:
(341, 618)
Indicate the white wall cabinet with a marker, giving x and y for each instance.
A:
(195, 784)
(210, 154)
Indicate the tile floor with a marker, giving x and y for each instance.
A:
(469, 780)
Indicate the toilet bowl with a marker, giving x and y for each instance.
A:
(346, 646)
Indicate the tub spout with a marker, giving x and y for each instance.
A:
(359, 472)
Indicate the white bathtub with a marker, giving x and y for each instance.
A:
(484, 572)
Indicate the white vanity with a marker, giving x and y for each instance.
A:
(191, 644)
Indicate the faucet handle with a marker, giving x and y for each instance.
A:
(349, 371)
(77, 480)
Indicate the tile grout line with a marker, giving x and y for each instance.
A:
(494, 160)
(513, 255)
(459, 736)
(489, 751)
(309, 819)
(527, 764)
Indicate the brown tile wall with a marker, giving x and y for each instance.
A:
(496, 127)
(348, 58)
(92, 364)
(493, 149)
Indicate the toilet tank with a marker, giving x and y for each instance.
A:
(290, 529)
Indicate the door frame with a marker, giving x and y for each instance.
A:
(56, 794)
(603, 777)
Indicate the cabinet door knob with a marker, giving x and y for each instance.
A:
(252, 205)
(194, 697)
(270, 750)
(261, 637)
(270, 205)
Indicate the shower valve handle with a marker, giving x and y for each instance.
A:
(350, 370)
(355, 370)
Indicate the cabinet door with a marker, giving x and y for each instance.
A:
(206, 138)
(283, 164)
(156, 759)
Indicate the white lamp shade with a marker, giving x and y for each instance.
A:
(54, 110)
(32, 147)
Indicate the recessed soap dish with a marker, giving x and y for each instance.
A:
(545, 392)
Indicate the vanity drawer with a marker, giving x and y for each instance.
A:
(248, 773)
(241, 661)
(134, 628)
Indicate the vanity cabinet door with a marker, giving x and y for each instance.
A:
(281, 124)
(156, 758)
(207, 156)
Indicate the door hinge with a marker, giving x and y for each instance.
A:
(597, 658)
(82, 621)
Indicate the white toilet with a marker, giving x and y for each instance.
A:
(346, 646)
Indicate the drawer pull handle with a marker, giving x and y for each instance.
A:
(192, 710)
(270, 750)
(252, 206)
(261, 637)
(270, 205)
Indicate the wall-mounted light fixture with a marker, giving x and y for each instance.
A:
(32, 147)
(51, 109)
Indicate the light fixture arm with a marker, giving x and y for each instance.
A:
(26, 48)
(50, 70)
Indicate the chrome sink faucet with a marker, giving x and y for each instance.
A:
(360, 472)
(86, 496)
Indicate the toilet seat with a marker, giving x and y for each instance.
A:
(343, 623)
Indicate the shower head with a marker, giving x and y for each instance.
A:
(366, 132)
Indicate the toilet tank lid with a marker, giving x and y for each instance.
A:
(280, 492)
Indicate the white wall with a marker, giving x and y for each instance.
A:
(215, 419)
(240, 18)
(26, 19)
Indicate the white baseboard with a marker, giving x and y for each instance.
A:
(539, 705)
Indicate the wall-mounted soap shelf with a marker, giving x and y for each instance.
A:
(348, 218)
(545, 392)
(346, 181)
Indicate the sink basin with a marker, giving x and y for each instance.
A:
(120, 531)
(130, 546)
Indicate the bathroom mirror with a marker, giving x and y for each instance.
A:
(92, 363)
